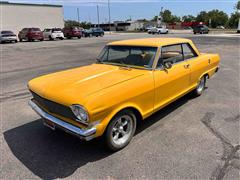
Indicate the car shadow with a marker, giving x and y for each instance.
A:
(55, 154)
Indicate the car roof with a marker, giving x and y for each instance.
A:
(151, 42)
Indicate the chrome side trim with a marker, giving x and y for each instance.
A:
(87, 134)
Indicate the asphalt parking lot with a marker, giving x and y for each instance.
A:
(190, 139)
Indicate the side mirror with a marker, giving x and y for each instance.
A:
(167, 65)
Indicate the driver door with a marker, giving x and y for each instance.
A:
(173, 82)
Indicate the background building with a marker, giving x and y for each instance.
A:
(15, 16)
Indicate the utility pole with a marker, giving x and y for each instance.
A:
(109, 15)
(98, 15)
(89, 17)
(78, 15)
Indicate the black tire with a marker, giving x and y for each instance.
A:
(15, 41)
(194, 33)
(200, 87)
(79, 37)
(108, 136)
(20, 40)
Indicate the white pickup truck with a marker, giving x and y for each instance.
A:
(158, 30)
(53, 34)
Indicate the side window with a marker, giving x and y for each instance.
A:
(172, 53)
(188, 52)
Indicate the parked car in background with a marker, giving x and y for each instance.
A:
(131, 80)
(158, 30)
(201, 29)
(30, 34)
(72, 32)
(148, 28)
(53, 34)
(7, 36)
(220, 27)
(93, 32)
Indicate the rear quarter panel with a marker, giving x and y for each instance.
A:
(204, 64)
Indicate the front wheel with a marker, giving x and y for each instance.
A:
(120, 130)
(200, 87)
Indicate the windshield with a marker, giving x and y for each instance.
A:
(57, 30)
(133, 56)
(7, 32)
(35, 29)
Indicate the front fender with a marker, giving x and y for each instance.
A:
(101, 127)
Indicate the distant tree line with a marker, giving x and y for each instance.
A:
(215, 17)
(72, 23)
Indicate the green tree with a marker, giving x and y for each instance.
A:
(155, 18)
(218, 18)
(238, 5)
(175, 19)
(233, 20)
(188, 18)
(167, 16)
(202, 17)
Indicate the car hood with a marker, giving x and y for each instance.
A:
(72, 86)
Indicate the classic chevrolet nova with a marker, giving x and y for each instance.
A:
(130, 80)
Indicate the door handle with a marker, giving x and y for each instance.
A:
(209, 61)
(186, 66)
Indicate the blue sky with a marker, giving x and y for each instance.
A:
(136, 9)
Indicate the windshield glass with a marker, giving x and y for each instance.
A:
(57, 30)
(7, 32)
(133, 56)
(35, 29)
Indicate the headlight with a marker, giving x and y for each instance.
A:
(80, 113)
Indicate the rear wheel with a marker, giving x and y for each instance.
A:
(120, 130)
(200, 87)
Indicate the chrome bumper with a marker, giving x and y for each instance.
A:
(87, 134)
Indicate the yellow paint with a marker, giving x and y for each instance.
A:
(104, 90)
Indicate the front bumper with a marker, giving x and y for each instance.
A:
(85, 134)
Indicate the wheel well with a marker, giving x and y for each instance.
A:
(134, 110)
(206, 76)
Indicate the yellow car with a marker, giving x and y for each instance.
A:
(130, 80)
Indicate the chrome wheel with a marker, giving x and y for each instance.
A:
(122, 130)
(201, 85)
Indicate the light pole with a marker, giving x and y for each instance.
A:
(98, 14)
(109, 15)
(78, 15)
